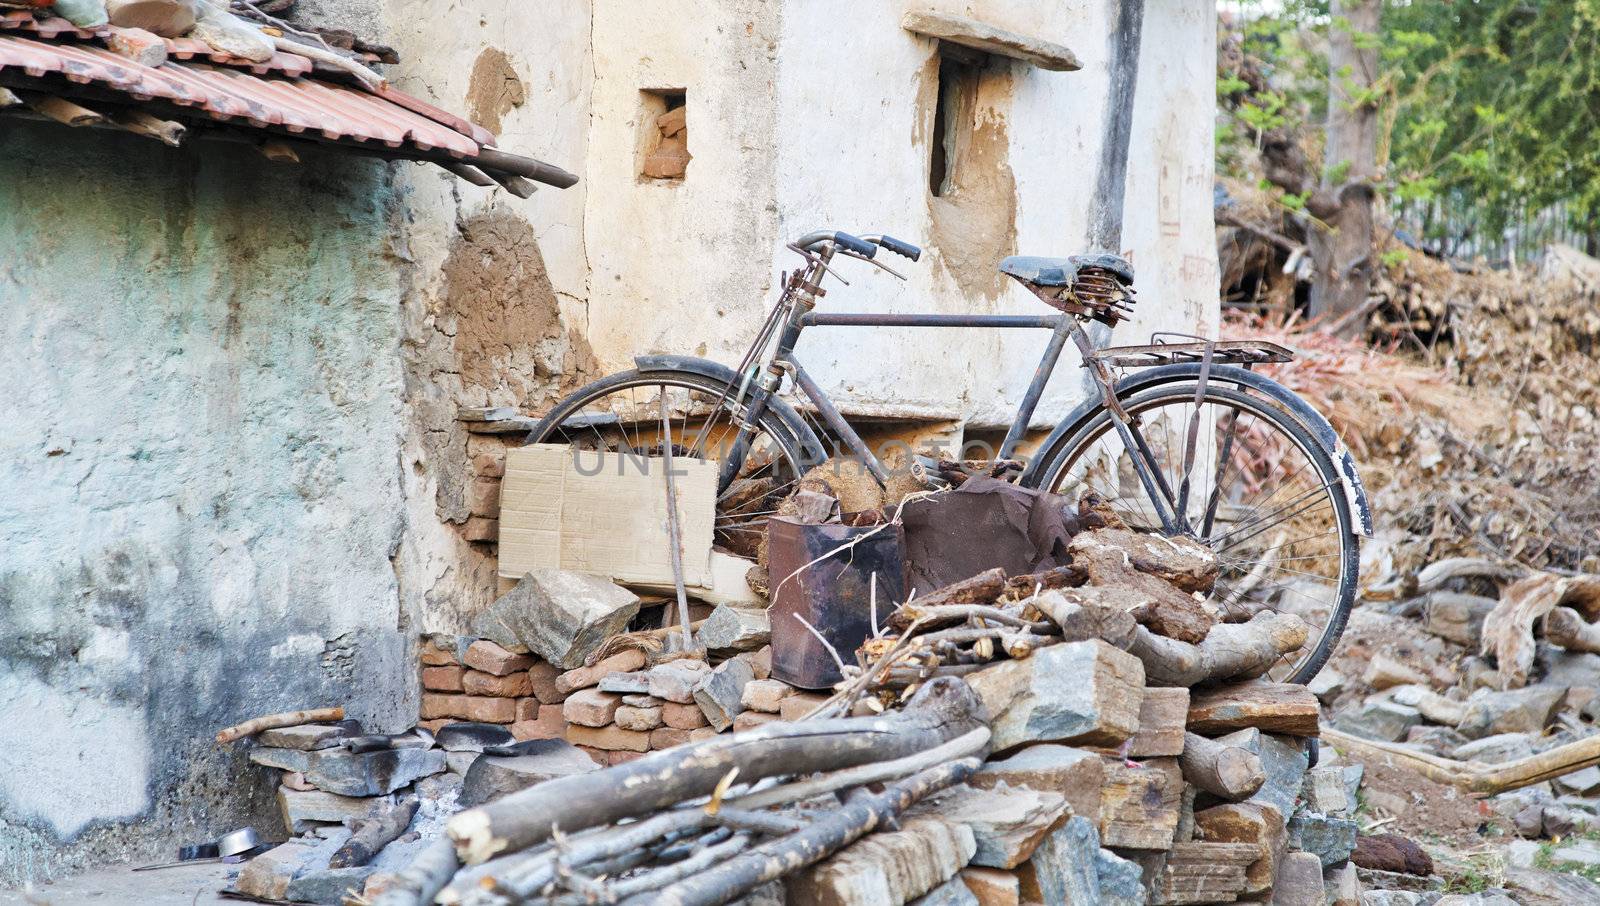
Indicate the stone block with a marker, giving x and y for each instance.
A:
(1086, 692)
(1121, 880)
(370, 773)
(798, 705)
(304, 737)
(766, 695)
(268, 875)
(1140, 803)
(433, 655)
(437, 704)
(1163, 717)
(1256, 823)
(491, 657)
(548, 722)
(1269, 707)
(667, 737)
(442, 679)
(1299, 881)
(992, 887)
(282, 759)
(543, 675)
(1007, 823)
(157, 18)
(329, 886)
(560, 615)
(484, 709)
(702, 733)
(460, 762)
(731, 628)
(1527, 710)
(481, 528)
(584, 677)
(1285, 760)
(609, 739)
(1341, 887)
(493, 776)
(304, 809)
(1324, 791)
(675, 681)
(633, 683)
(1456, 617)
(894, 866)
(1073, 773)
(682, 716)
(591, 708)
(629, 717)
(760, 661)
(1330, 839)
(749, 720)
(513, 685)
(720, 693)
(1497, 749)
(1062, 870)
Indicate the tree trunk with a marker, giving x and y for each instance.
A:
(1343, 257)
(1224, 771)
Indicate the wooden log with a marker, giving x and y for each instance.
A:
(1224, 771)
(1080, 619)
(168, 132)
(1032, 583)
(1140, 803)
(274, 721)
(1229, 650)
(1475, 777)
(369, 836)
(941, 710)
(1565, 627)
(62, 110)
(984, 588)
(1270, 707)
(418, 883)
(862, 814)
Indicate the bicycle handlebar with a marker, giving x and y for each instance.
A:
(865, 246)
(899, 247)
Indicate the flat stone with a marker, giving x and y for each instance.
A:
(1121, 880)
(1284, 759)
(560, 615)
(991, 887)
(893, 866)
(491, 776)
(766, 695)
(1456, 617)
(584, 677)
(1584, 783)
(1379, 719)
(720, 694)
(497, 660)
(269, 874)
(328, 886)
(628, 683)
(471, 737)
(370, 773)
(304, 737)
(1073, 773)
(303, 809)
(1007, 823)
(1085, 692)
(1581, 852)
(675, 681)
(1496, 749)
(1330, 839)
(1326, 685)
(459, 762)
(731, 628)
(634, 718)
(612, 739)
(951, 893)
(282, 759)
(1534, 887)
(682, 716)
(991, 39)
(1527, 710)
(800, 704)
(591, 707)
(1438, 740)
(1062, 870)
(1522, 853)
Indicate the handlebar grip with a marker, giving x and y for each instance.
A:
(860, 246)
(903, 249)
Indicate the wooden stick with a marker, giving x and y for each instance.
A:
(1476, 777)
(422, 880)
(971, 743)
(371, 835)
(1563, 626)
(827, 835)
(274, 721)
(365, 76)
(941, 710)
(1229, 650)
(674, 539)
(1225, 771)
(168, 132)
(62, 110)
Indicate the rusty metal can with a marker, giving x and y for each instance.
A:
(833, 594)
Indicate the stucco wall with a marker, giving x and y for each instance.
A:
(199, 477)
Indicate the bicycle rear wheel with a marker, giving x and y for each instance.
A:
(1258, 490)
(622, 413)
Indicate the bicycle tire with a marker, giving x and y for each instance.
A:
(1075, 443)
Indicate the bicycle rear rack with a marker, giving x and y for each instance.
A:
(1220, 352)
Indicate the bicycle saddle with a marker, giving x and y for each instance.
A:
(1062, 271)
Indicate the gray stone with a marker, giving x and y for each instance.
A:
(303, 809)
(1299, 881)
(1379, 719)
(1521, 853)
(304, 737)
(1284, 760)
(1007, 823)
(890, 866)
(1482, 898)
(1438, 740)
(1341, 887)
(282, 759)
(1325, 791)
(1570, 668)
(493, 776)
(1390, 898)
(1352, 783)
(720, 694)
(1527, 710)
(459, 762)
(560, 615)
(1579, 852)
(472, 737)
(1456, 617)
(1062, 870)
(328, 886)
(731, 628)
(1426, 887)
(269, 874)
(632, 683)
(1079, 690)
(1330, 839)
(1496, 749)
(370, 773)
(1584, 783)
(1074, 773)
(951, 893)
(675, 681)
(1534, 887)
(1121, 880)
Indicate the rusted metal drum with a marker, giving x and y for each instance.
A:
(834, 594)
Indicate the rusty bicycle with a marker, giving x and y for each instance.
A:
(1184, 436)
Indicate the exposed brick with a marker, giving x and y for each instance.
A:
(440, 705)
(433, 725)
(479, 444)
(545, 722)
(138, 45)
(760, 661)
(512, 685)
(765, 695)
(682, 717)
(490, 710)
(799, 705)
(702, 733)
(749, 720)
(631, 718)
(584, 677)
(667, 737)
(619, 756)
(432, 656)
(591, 707)
(483, 497)
(489, 465)
(442, 679)
(609, 738)
(543, 675)
(491, 658)
(482, 528)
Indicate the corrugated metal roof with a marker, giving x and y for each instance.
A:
(284, 94)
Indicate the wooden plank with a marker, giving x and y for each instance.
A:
(1270, 707)
(990, 39)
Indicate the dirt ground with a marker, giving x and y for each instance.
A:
(187, 885)
(1433, 811)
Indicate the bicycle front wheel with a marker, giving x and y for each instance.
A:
(1243, 476)
(635, 412)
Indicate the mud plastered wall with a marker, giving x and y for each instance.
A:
(199, 478)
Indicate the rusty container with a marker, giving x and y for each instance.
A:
(834, 594)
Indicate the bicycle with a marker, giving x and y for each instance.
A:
(1183, 413)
